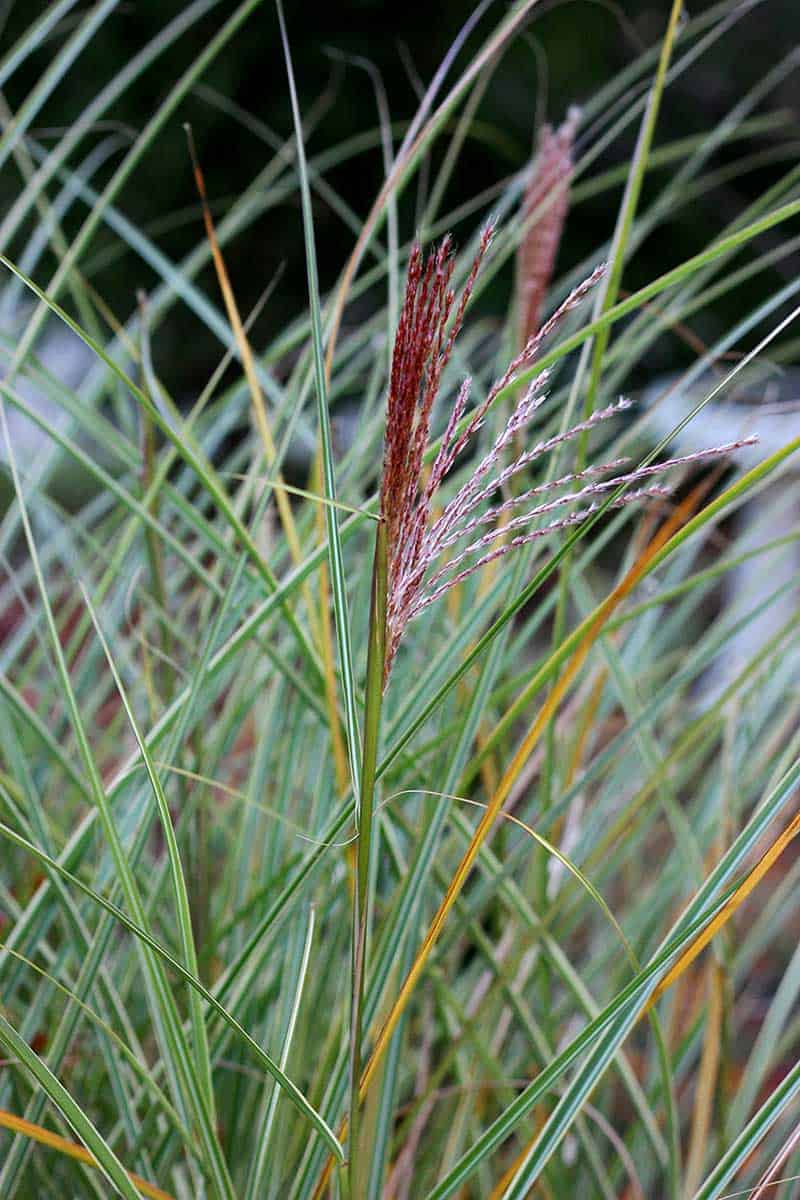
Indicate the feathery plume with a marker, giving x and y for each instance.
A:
(429, 323)
(547, 195)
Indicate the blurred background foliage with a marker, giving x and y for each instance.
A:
(567, 51)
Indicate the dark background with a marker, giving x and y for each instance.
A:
(567, 51)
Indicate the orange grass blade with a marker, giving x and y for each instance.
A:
(511, 773)
(594, 627)
(45, 1137)
(750, 881)
(243, 344)
(706, 1081)
(322, 629)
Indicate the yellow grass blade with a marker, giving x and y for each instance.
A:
(510, 775)
(750, 881)
(706, 1081)
(586, 725)
(62, 1145)
(322, 630)
(340, 768)
(499, 1188)
(594, 626)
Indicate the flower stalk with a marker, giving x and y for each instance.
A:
(418, 557)
(373, 700)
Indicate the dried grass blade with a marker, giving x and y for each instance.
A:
(747, 885)
(706, 1080)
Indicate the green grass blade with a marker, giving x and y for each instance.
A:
(72, 1112)
(180, 892)
(335, 559)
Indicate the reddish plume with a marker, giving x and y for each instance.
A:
(427, 556)
(544, 211)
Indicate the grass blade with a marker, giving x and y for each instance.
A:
(335, 559)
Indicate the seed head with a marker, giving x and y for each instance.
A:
(544, 211)
(427, 556)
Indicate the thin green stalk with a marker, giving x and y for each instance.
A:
(373, 700)
(155, 555)
(609, 288)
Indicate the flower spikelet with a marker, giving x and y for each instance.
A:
(423, 346)
(427, 555)
(544, 211)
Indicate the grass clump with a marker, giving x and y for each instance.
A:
(402, 807)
